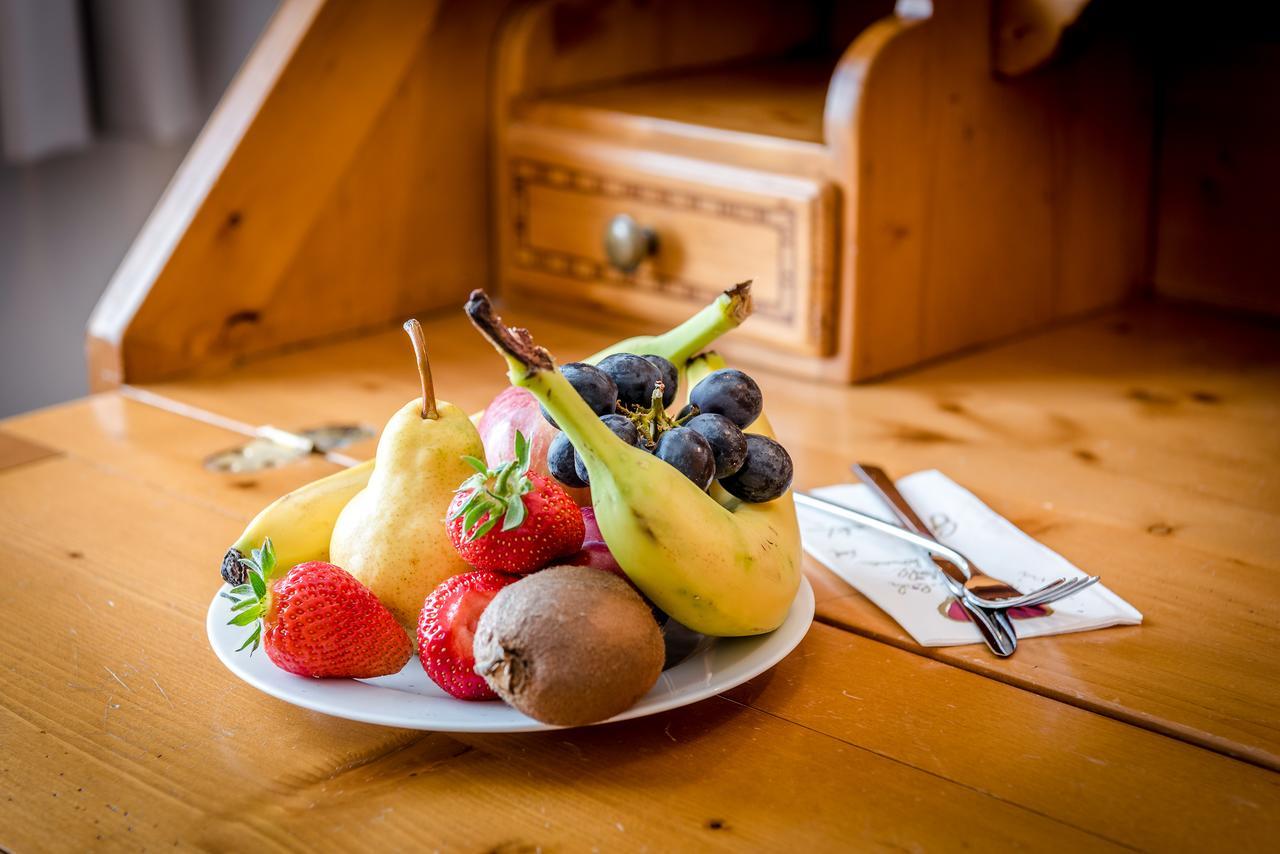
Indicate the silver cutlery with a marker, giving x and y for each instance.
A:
(984, 588)
(986, 600)
(951, 566)
(887, 491)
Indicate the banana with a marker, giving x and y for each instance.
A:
(678, 345)
(717, 565)
(299, 523)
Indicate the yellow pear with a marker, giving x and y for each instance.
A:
(392, 535)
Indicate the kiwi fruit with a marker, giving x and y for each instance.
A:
(569, 645)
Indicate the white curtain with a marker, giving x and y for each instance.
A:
(150, 69)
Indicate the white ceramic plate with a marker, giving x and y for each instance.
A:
(410, 700)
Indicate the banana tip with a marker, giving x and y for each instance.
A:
(233, 571)
(516, 343)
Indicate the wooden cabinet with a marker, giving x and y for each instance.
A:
(929, 176)
(893, 199)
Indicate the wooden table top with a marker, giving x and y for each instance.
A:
(1140, 444)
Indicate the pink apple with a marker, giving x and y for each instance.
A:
(517, 409)
(595, 553)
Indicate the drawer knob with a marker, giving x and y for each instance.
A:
(627, 243)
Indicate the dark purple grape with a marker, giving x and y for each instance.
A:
(727, 442)
(593, 385)
(622, 428)
(765, 475)
(670, 378)
(731, 393)
(562, 461)
(690, 453)
(634, 377)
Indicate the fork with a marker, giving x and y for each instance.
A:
(952, 567)
(979, 586)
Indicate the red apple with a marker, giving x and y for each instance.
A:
(517, 409)
(595, 553)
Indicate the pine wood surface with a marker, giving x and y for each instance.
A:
(783, 100)
(15, 451)
(1137, 444)
(121, 728)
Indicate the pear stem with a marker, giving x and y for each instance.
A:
(414, 328)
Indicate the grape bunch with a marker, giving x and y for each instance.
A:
(705, 441)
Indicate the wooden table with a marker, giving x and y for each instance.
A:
(1141, 444)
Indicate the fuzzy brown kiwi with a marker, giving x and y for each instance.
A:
(569, 645)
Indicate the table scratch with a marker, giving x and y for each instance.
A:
(162, 693)
(117, 678)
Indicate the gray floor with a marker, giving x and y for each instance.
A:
(65, 224)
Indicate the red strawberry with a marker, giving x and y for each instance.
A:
(540, 522)
(319, 620)
(447, 627)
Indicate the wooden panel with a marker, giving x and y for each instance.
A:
(974, 196)
(554, 46)
(406, 228)
(1215, 234)
(715, 225)
(782, 100)
(325, 195)
(121, 728)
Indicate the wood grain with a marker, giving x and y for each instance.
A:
(165, 451)
(121, 728)
(16, 451)
(990, 737)
(152, 737)
(1137, 444)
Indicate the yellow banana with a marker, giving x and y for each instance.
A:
(717, 565)
(301, 522)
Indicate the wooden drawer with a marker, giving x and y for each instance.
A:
(715, 226)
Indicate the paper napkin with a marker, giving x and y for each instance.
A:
(904, 582)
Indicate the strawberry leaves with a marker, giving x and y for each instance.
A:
(495, 494)
(249, 601)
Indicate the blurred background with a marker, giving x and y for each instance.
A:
(99, 101)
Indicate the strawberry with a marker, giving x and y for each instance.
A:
(319, 620)
(447, 627)
(540, 522)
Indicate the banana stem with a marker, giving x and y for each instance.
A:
(530, 366)
(684, 341)
(414, 328)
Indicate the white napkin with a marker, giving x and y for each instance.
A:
(904, 582)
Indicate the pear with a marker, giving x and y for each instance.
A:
(392, 535)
